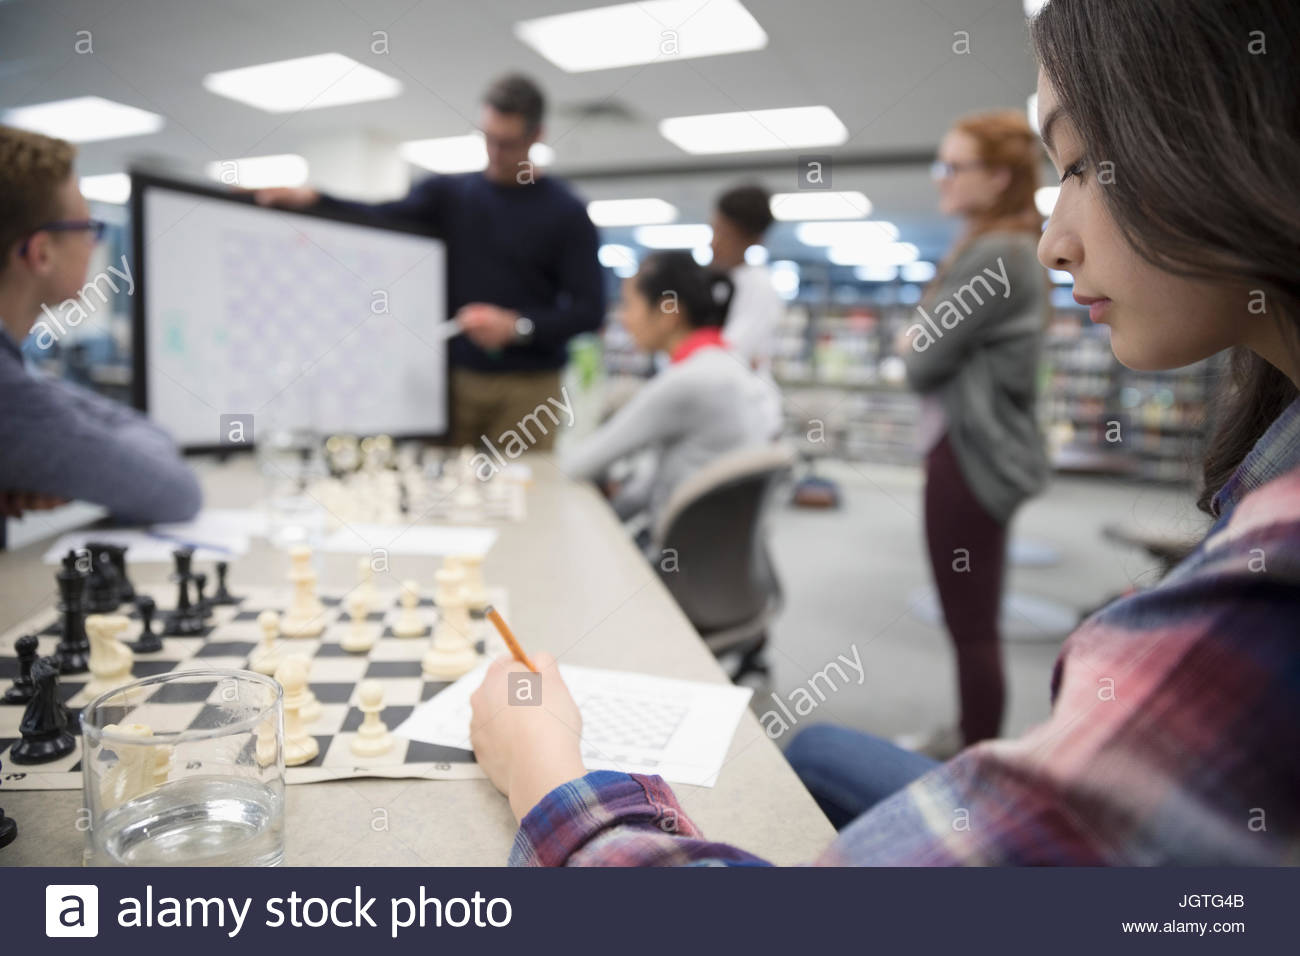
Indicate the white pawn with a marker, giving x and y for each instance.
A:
(306, 616)
(266, 656)
(299, 746)
(365, 581)
(451, 654)
(360, 636)
(409, 623)
(476, 596)
(110, 659)
(139, 768)
(373, 738)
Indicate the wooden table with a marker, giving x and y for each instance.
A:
(577, 589)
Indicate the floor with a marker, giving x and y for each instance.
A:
(854, 577)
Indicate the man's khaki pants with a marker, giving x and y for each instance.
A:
(495, 404)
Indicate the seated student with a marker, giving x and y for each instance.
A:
(60, 441)
(741, 217)
(1176, 715)
(705, 403)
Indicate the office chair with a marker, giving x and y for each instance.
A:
(712, 542)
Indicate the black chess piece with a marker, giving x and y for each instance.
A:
(184, 620)
(103, 586)
(201, 605)
(149, 640)
(45, 722)
(125, 589)
(223, 595)
(23, 687)
(73, 652)
(8, 829)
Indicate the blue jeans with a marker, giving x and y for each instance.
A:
(848, 771)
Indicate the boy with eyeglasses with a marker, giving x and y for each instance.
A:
(60, 442)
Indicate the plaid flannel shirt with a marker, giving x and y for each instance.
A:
(1174, 736)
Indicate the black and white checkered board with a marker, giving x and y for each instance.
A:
(231, 636)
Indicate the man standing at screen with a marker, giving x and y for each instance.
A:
(523, 277)
(57, 441)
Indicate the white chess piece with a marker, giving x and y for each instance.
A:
(409, 623)
(110, 659)
(365, 581)
(306, 616)
(451, 654)
(140, 768)
(360, 636)
(266, 656)
(299, 746)
(476, 596)
(373, 738)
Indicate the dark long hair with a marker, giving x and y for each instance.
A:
(701, 295)
(1197, 105)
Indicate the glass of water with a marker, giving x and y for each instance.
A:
(186, 769)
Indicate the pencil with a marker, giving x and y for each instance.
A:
(508, 636)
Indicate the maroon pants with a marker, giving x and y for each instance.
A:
(968, 557)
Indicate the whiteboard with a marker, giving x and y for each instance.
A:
(301, 321)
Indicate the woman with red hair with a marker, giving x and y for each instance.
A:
(973, 355)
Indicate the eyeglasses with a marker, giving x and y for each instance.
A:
(941, 170)
(95, 227)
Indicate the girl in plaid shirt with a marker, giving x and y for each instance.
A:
(1175, 127)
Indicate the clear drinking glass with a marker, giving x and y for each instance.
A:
(186, 769)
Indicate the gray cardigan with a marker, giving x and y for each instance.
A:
(978, 353)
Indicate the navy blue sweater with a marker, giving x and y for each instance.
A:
(530, 248)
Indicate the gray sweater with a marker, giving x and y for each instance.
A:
(978, 353)
(688, 415)
(61, 440)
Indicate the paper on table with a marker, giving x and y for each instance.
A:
(443, 540)
(636, 723)
(212, 538)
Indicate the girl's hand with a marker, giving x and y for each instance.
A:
(525, 730)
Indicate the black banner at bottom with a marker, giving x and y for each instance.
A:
(692, 910)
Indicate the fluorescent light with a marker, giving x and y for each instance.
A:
(1033, 6)
(675, 236)
(84, 119)
(1031, 110)
(305, 83)
(259, 172)
(622, 259)
(875, 273)
(756, 255)
(873, 232)
(784, 274)
(702, 254)
(462, 154)
(792, 207)
(920, 271)
(796, 127)
(108, 187)
(447, 154)
(627, 34)
(1060, 277)
(630, 212)
(1045, 198)
(891, 254)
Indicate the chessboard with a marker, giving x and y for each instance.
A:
(226, 641)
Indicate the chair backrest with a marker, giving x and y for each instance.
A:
(711, 538)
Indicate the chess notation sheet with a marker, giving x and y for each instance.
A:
(636, 723)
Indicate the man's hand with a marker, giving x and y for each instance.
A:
(527, 749)
(488, 326)
(288, 197)
(14, 503)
